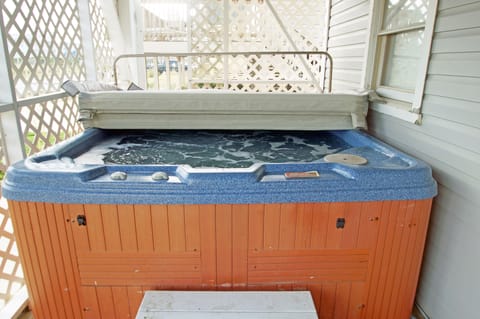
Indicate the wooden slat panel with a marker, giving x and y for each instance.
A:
(342, 297)
(291, 265)
(301, 267)
(271, 226)
(55, 262)
(111, 228)
(145, 268)
(19, 212)
(121, 302)
(90, 303)
(94, 227)
(106, 305)
(327, 304)
(395, 260)
(96, 277)
(135, 296)
(334, 234)
(288, 225)
(369, 215)
(171, 282)
(319, 226)
(240, 223)
(136, 267)
(357, 300)
(176, 227)
(223, 228)
(303, 232)
(161, 236)
(319, 255)
(411, 230)
(143, 224)
(207, 245)
(352, 220)
(376, 270)
(62, 231)
(403, 254)
(314, 275)
(115, 258)
(316, 292)
(192, 229)
(44, 261)
(420, 223)
(128, 233)
(78, 235)
(375, 245)
(255, 227)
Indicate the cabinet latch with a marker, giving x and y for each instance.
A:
(82, 220)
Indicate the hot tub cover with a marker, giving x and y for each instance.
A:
(194, 109)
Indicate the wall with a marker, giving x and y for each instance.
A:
(449, 140)
(347, 39)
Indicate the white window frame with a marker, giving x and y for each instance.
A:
(393, 101)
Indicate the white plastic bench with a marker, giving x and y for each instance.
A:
(227, 305)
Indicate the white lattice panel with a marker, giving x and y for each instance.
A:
(44, 44)
(304, 21)
(165, 20)
(11, 273)
(253, 27)
(248, 25)
(101, 41)
(207, 27)
(47, 123)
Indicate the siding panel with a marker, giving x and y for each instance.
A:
(460, 88)
(466, 113)
(458, 64)
(457, 41)
(447, 4)
(347, 39)
(458, 18)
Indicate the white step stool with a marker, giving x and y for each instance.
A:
(227, 305)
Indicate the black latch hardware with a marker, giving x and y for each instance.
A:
(340, 223)
(82, 220)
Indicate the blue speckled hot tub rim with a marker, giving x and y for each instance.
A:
(28, 180)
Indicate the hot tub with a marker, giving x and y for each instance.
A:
(112, 213)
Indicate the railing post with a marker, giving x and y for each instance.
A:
(87, 40)
(130, 17)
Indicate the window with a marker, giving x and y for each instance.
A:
(401, 40)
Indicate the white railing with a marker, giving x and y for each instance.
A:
(261, 71)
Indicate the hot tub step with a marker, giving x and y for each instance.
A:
(227, 305)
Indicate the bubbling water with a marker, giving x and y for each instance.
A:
(222, 149)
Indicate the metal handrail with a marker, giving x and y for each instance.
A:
(244, 53)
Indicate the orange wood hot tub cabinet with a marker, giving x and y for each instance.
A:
(368, 269)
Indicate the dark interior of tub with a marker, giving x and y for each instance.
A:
(218, 149)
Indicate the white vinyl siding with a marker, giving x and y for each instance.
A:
(347, 37)
(449, 140)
